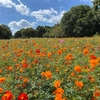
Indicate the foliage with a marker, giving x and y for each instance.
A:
(18, 34)
(56, 31)
(5, 32)
(50, 69)
(80, 21)
(28, 32)
(40, 30)
(47, 33)
(96, 9)
(96, 4)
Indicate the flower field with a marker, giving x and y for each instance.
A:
(50, 69)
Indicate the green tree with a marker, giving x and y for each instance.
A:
(40, 30)
(18, 34)
(47, 33)
(56, 31)
(5, 32)
(28, 32)
(66, 24)
(86, 26)
(96, 4)
(1, 34)
(79, 22)
(96, 8)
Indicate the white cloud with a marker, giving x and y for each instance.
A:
(23, 9)
(44, 12)
(56, 18)
(47, 15)
(15, 26)
(6, 3)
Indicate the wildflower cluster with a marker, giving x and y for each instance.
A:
(50, 69)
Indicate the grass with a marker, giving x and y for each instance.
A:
(50, 69)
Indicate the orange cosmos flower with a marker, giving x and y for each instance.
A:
(93, 62)
(57, 83)
(79, 84)
(1, 90)
(79, 76)
(47, 74)
(18, 55)
(21, 70)
(43, 74)
(24, 61)
(72, 74)
(97, 93)
(42, 54)
(15, 59)
(57, 69)
(20, 77)
(2, 79)
(49, 54)
(17, 65)
(98, 59)
(58, 97)
(77, 68)
(4, 58)
(69, 57)
(0, 70)
(25, 80)
(9, 68)
(59, 51)
(85, 51)
(23, 85)
(58, 91)
(31, 50)
(7, 96)
(7, 54)
(93, 98)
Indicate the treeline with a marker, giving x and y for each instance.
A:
(79, 21)
(40, 31)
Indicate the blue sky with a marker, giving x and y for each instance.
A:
(19, 14)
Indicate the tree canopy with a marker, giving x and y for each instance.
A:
(96, 4)
(80, 21)
(5, 32)
(28, 32)
(18, 34)
(40, 30)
